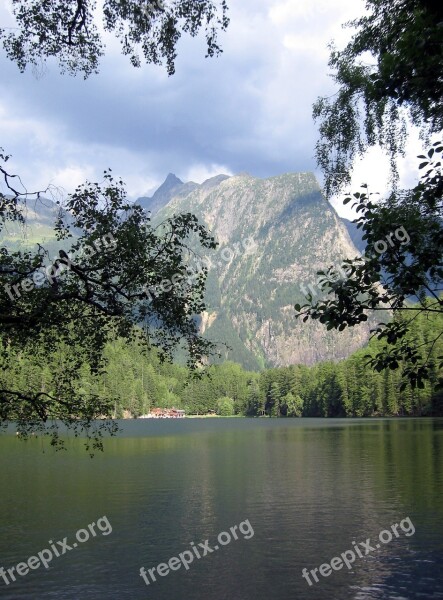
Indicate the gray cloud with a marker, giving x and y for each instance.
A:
(249, 110)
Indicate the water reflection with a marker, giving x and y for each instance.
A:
(309, 488)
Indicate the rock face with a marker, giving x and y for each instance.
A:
(170, 188)
(274, 235)
(356, 235)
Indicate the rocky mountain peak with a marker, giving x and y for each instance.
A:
(274, 234)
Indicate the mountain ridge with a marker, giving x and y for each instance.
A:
(171, 187)
(250, 296)
(274, 233)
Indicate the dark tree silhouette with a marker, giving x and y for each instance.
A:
(68, 31)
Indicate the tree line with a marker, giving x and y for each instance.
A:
(46, 335)
(138, 380)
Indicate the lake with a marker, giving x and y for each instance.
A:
(276, 496)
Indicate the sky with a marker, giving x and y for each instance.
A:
(249, 110)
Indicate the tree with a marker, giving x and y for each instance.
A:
(274, 400)
(120, 277)
(67, 30)
(293, 405)
(401, 81)
(254, 405)
(389, 72)
(225, 407)
(138, 284)
(403, 259)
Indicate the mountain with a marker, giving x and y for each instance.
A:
(170, 188)
(274, 235)
(40, 217)
(355, 234)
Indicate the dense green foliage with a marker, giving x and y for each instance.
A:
(403, 259)
(118, 276)
(68, 30)
(350, 388)
(389, 72)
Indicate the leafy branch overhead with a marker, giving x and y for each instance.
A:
(69, 30)
(391, 70)
(393, 270)
(388, 74)
(98, 288)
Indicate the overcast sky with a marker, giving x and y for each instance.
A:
(248, 110)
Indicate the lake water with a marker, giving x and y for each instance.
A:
(306, 488)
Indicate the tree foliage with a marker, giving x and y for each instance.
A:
(139, 381)
(138, 285)
(225, 407)
(403, 260)
(68, 30)
(391, 70)
(116, 276)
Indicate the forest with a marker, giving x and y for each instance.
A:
(138, 380)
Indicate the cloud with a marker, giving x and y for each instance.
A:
(200, 173)
(248, 110)
(373, 170)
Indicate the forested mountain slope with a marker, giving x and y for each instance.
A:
(274, 235)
